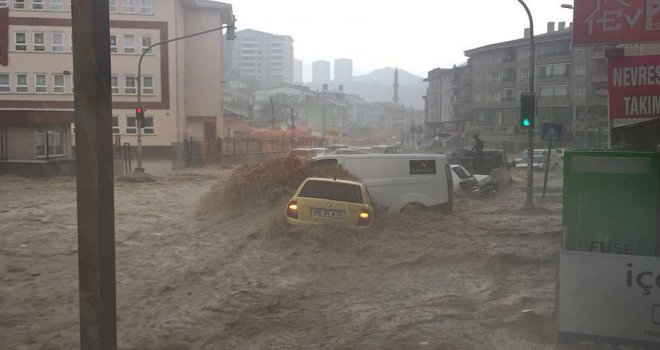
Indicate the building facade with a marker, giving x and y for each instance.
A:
(343, 71)
(447, 100)
(297, 71)
(320, 73)
(181, 91)
(571, 87)
(262, 58)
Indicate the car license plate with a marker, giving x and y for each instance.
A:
(328, 213)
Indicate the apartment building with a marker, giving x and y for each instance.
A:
(447, 100)
(181, 89)
(571, 85)
(343, 71)
(320, 73)
(262, 58)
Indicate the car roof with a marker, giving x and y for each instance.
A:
(322, 179)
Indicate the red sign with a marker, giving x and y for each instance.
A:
(616, 21)
(4, 36)
(634, 87)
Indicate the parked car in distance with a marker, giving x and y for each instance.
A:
(349, 151)
(384, 149)
(333, 148)
(328, 201)
(464, 182)
(305, 153)
(398, 181)
(538, 161)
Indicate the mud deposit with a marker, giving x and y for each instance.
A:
(481, 278)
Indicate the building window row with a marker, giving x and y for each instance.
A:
(55, 42)
(129, 85)
(42, 83)
(143, 7)
(130, 126)
(129, 43)
(53, 5)
(554, 91)
(56, 83)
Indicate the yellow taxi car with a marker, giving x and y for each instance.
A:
(328, 201)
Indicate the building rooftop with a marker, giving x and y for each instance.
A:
(540, 38)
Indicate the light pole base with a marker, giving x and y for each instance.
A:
(139, 170)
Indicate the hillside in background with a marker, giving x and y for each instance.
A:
(377, 87)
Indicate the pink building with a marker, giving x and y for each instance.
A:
(181, 83)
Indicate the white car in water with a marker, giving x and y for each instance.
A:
(464, 181)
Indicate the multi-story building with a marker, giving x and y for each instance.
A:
(263, 58)
(571, 85)
(297, 71)
(343, 71)
(181, 90)
(320, 73)
(447, 100)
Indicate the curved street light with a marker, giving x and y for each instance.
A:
(529, 205)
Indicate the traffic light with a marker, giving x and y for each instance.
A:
(527, 110)
(139, 116)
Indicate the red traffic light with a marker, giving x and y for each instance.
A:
(139, 110)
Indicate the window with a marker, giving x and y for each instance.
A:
(3, 3)
(129, 86)
(131, 125)
(553, 70)
(114, 84)
(113, 5)
(4, 82)
(554, 91)
(39, 41)
(115, 124)
(40, 83)
(147, 85)
(579, 91)
(56, 5)
(21, 82)
(128, 6)
(57, 41)
(494, 76)
(50, 143)
(129, 43)
(37, 4)
(494, 96)
(146, 7)
(19, 4)
(524, 73)
(149, 125)
(71, 42)
(507, 95)
(58, 83)
(113, 43)
(525, 52)
(20, 41)
(579, 69)
(146, 42)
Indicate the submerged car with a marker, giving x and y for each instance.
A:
(464, 181)
(328, 201)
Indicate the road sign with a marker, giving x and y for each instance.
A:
(552, 132)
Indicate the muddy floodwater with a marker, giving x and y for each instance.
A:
(481, 278)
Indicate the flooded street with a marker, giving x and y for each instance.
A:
(481, 278)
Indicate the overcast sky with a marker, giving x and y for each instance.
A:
(416, 35)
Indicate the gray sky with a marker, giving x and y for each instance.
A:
(417, 35)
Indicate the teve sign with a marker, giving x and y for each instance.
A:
(616, 21)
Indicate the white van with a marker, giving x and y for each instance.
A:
(398, 181)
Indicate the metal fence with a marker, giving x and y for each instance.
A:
(192, 152)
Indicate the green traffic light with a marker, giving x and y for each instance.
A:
(526, 122)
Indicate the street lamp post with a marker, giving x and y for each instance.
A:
(530, 133)
(230, 36)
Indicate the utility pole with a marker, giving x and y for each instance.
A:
(529, 204)
(90, 21)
